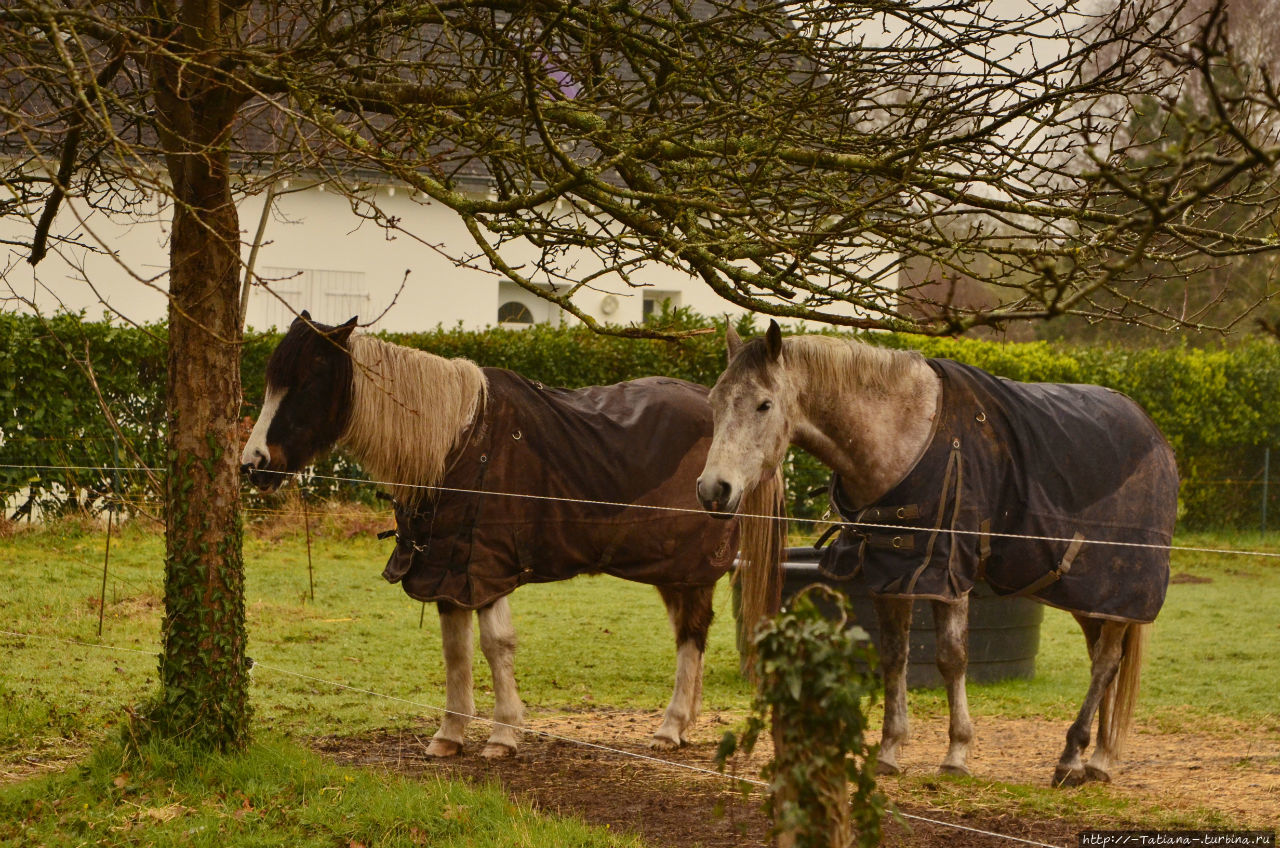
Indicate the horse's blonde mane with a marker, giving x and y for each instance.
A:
(408, 410)
(832, 363)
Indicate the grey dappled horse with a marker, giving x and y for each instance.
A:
(946, 475)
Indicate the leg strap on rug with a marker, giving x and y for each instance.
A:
(1077, 542)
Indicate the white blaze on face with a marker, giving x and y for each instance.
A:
(749, 439)
(727, 470)
(256, 453)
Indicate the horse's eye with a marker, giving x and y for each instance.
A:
(765, 406)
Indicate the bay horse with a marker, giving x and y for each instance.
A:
(499, 481)
(943, 475)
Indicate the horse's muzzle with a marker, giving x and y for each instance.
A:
(263, 479)
(718, 498)
(263, 467)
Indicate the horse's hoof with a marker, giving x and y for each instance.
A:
(442, 748)
(664, 743)
(1063, 777)
(954, 770)
(498, 751)
(884, 769)
(1097, 774)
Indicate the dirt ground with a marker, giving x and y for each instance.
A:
(673, 806)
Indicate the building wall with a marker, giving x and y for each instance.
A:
(317, 255)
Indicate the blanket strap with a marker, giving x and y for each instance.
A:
(953, 561)
(610, 549)
(951, 477)
(1077, 542)
(826, 535)
(984, 549)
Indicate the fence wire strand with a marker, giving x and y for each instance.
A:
(699, 511)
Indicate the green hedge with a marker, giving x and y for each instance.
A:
(1217, 406)
(50, 415)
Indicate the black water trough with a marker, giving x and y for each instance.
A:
(1004, 632)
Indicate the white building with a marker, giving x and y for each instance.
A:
(316, 255)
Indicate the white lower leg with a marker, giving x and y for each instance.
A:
(683, 709)
(894, 618)
(896, 727)
(498, 641)
(455, 632)
(1100, 764)
(952, 625)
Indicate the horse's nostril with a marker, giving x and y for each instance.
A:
(714, 494)
(254, 461)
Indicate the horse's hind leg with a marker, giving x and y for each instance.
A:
(690, 613)
(894, 617)
(1106, 647)
(951, 621)
(1115, 713)
(455, 632)
(498, 641)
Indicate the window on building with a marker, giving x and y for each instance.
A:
(655, 301)
(330, 296)
(514, 312)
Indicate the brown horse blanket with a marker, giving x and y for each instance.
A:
(508, 511)
(1079, 465)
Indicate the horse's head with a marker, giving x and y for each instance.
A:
(307, 403)
(751, 406)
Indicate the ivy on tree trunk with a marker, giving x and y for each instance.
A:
(203, 673)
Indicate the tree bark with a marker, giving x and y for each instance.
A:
(203, 673)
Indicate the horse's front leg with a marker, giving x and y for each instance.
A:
(498, 641)
(455, 633)
(690, 612)
(894, 618)
(1106, 647)
(951, 621)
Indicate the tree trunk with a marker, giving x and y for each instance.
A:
(203, 677)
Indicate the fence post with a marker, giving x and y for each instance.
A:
(111, 503)
(1266, 479)
(306, 520)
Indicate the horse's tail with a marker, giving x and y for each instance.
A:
(1122, 695)
(762, 545)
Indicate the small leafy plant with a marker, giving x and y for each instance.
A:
(816, 686)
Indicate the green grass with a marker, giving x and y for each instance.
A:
(591, 642)
(583, 643)
(274, 794)
(57, 700)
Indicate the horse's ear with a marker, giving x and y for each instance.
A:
(304, 315)
(342, 332)
(733, 341)
(773, 340)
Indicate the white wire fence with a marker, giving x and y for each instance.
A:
(138, 507)
(1239, 492)
(826, 521)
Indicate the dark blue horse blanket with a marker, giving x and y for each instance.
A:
(1028, 486)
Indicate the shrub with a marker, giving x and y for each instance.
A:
(1214, 405)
